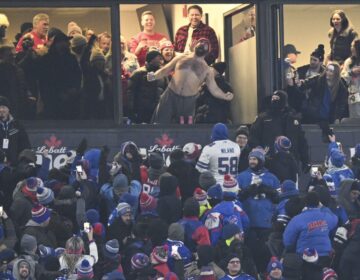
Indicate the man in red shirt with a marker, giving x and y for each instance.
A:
(187, 35)
(38, 34)
(146, 39)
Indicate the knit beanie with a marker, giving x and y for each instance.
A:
(288, 188)
(46, 251)
(329, 272)
(168, 184)
(242, 130)
(319, 52)
(4, 20)
(40, 214)
(282, 144)
(33, 183)
(207, 273)
(310, 255)
(4, 102)
(191, 207)
(139, 261)
(258, 153)
(192, 150)
(7, 255)
(337, 158)
(78, 40)
(201, 196)
(229, 231)
(97, 55)
(166, 44)
(44, 195)
(121, 183)
(123, 208)
(73, 29)
(159, 254)
(156, 161)
(151, 55)
(176, 232)
(92, 216)
(85, 270)
(215, 192)
(111, 249)
(206, 180)
(148, 203)
(273, 264)
(28, 243)
(230, 185)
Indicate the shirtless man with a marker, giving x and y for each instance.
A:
(191, 71)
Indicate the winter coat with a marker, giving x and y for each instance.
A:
(311, 229)
(224, 213)
(340, 43)
(183, 251)
(338, 174)
(143, 95)
(302, 70)
(196, 233)
(43, 235)
(352, 208)
(241, 276)
(18, 139)
(283, 166)
(268, 126)
(350, 262)
(169, 208)
(20, 211)
(244, 159)
(338, 106)
(118, 230)
(16, 274)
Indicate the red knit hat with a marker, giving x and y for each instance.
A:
(147, 202)
(201, 196)
(230, 185)
(166, 44)
(159, 254)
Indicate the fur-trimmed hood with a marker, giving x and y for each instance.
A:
(343, 33)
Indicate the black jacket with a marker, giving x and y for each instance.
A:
(269, 125)
(338, 107)
(303, 69)
(244, 159)
(18, 139)
(283, 166)
(340, 43)
(143, 95)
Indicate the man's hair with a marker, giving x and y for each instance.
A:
(104, 35)
(312, 199)
(147, 13)
(197, 7)
(39, 17)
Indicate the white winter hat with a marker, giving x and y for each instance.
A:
(4, 20)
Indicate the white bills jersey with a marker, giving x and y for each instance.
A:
(220, 157)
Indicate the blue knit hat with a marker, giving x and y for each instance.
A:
(33, 183)
(215, 192)
(310, 255)
(139, 261)
(337, 158)
(40, 214)
(258, 153)
(44, 195)
(282, 144)
(85, 270)
(273, 264)
(219, 132)
(46, 251)
(229, 231)
(92, 216)
(111, 249)
(288, 188)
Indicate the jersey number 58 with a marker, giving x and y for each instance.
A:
(227, 165)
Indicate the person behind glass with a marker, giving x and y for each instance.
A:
(167, 50)
(351, 75)
(4, 25)
(143, 95)
(248, 25)
(327, 100)
(88, 32)
(315, 67)
(147, 38)
(196, 29)
(341, 35)
(38, 33)
(104, 40)
(241, 138)
(128, 60)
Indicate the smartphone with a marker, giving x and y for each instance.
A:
(79, 169)
(87, 227)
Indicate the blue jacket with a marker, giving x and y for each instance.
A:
(241, 276)
(183, 251)
(259, 208)
(339, 174)
(311, 229)
(226, 212)
(195, 232)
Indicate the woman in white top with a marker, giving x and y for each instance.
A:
(73, 255)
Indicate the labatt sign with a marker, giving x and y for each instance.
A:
(163, 145)
(57, 153)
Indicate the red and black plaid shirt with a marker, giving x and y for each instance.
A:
(202, 31)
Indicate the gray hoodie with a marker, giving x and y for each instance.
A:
(31, 263)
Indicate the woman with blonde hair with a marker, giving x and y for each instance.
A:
(71, 259)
